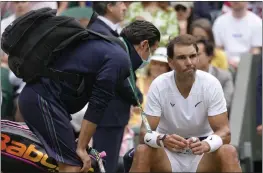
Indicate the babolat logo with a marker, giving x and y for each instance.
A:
(27, 151)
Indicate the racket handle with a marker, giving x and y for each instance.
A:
(101, 166)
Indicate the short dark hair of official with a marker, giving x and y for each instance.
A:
(140, 30)
(184, 39)
(209, 46)
(100, 7)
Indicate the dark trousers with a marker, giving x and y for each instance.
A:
(109, 139)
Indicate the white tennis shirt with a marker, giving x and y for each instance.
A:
(185, 117)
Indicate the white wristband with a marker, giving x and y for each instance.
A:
(214, 142)
(151, 139)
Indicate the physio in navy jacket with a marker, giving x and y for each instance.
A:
(109, 133)
(47, 105)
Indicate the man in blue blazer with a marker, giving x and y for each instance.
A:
(109, 133)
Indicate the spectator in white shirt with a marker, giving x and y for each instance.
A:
(238, 31)
(21, 7)
(37, 5)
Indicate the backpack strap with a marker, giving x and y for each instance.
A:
(96, 35)
(76, 78)
(61, 75)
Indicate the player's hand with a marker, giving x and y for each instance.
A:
(198, 147)
(175, 142)
(85, 160)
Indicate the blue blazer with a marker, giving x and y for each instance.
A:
(118, 111)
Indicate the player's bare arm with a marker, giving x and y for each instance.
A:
(171, 141)
(220, 126)
(153, 122)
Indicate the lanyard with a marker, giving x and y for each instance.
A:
(131, 80)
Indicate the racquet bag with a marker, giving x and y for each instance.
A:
(21, 151)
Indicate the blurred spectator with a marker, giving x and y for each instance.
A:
(202, 28)
(64, 5)
(202, 9)
(157, 66)
(226, 7)
(7, 106)
(161, 14)
(127, 3)
(110, 15)
(88, 3)
(82, 14)
(7, 8)
(21, 7)
(205, 55)
(42, 4)
(16, 82)
(256, 7)
(127, 141)
(19, 85)
(184, 11)
(253, 6)
(238, 31)
(207, 9)
(259, 99)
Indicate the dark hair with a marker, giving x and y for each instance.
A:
(209, 46)
(190, 20)
(140, 30)
(184, 39)
(205, 25)
(100, 7)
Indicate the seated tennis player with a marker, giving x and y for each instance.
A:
(186, 110)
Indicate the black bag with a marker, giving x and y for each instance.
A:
(35, 40)
(21, 151)
(127, 160)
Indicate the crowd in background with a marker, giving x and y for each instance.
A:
(225, 30)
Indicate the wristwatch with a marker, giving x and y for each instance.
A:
(162, 139)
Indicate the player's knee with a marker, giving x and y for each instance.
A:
(228, 152)
(143, 151)
(142, 155)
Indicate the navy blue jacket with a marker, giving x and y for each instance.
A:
(103, 65)
(118, 110)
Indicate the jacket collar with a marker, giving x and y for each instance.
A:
(136, 59)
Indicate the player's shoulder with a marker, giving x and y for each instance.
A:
(163, 80)
(205, 75)
(165, 77)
